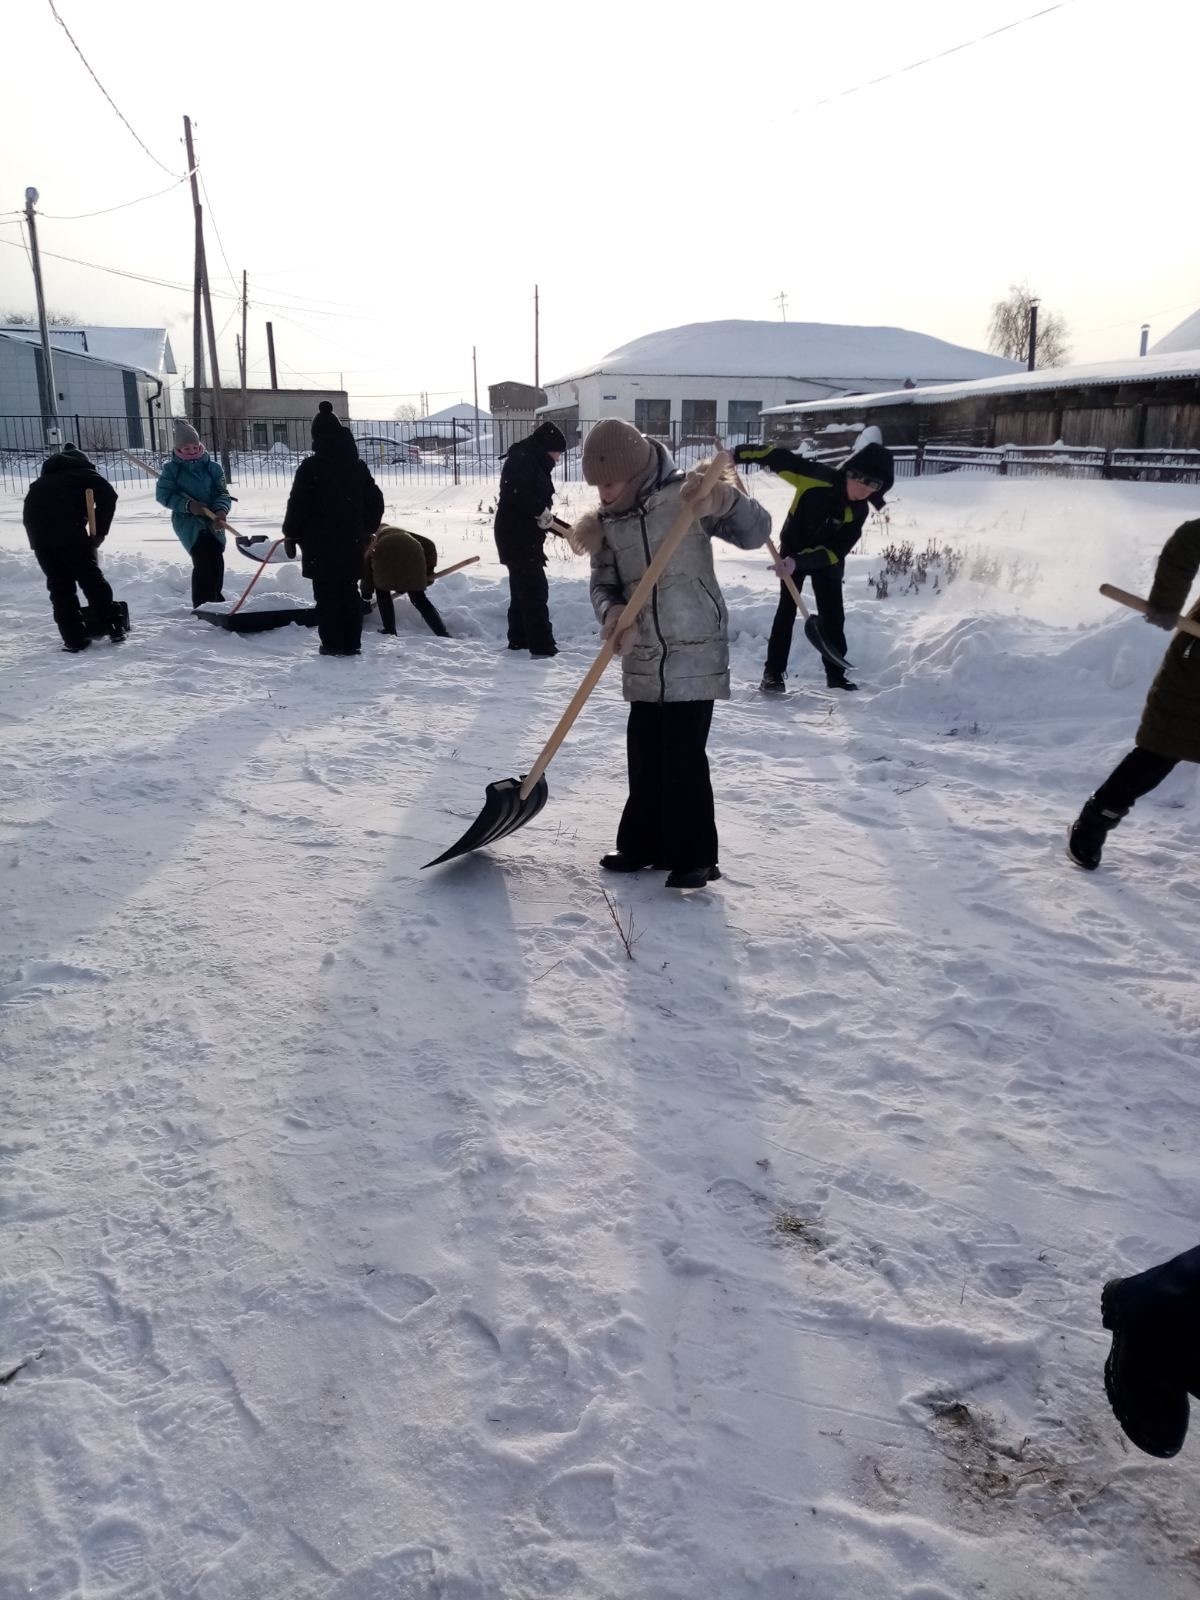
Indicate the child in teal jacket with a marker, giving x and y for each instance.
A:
(190, 483)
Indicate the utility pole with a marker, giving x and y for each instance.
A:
(242, 351)
(198, 282)
(218, 404)
(271, 355)
(781, 297)
(537, 338)
(1033, 311)
(50, 420)
(475, 375)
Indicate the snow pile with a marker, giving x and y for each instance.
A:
(371, 1232)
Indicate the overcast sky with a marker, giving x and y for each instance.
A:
(397, 177)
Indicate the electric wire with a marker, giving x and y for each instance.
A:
(105, 93)
(939, 55)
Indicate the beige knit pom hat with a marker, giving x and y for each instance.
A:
(615, 452)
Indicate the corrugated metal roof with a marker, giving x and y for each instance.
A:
(1137, 369)
(140, 349)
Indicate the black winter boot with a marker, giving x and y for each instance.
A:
(838, 680)
(692, 877)
(772, 681)
(1086, 835)
(1154, 1319)
(618, 861)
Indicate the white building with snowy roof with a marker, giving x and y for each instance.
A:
(714, 378)
(110, 386)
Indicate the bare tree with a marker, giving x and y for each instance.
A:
(1009, 332)
(407, 412)
(28, 319)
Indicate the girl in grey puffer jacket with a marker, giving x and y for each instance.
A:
(675, 657)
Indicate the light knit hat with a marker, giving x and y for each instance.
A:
(185, 433)
(615, 452)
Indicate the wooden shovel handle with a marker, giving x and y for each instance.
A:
(789, 583)
(629, 616)
(89, 500)
(445, 572)
(152, 472)
(1136, 603)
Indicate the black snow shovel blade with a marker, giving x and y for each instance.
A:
(503, 813)
(812, 632)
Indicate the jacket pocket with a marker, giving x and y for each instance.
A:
(713, 601)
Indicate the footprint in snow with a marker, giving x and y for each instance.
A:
(396, 1295)
(580, 1503)
(410, 1573)
(114, 1556)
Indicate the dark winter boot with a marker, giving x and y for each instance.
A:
(1086, 835)
(76, 645)
(1154, 1319)
(692, 877)
(772, 681)
(839, 680)
(618, 861)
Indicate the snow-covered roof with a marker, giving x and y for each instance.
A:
(1137, 369)
(459, 413)
(805, 351)
(1185, 337)
(142, 349)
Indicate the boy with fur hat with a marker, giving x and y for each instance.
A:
(192, 486)
(334, 508)
(675, 654)
(823, 524)
(55, 517)
(399, 562)
(523, 519)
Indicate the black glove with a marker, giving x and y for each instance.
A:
(289, 549)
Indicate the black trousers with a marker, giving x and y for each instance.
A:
(425, 609)
(827, 596)
(339, 616)
(65, 567)
(529, 608)
(208, 569)
(1139, 772)
(669, 820)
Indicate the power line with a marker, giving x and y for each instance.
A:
(941, 54)
(81, 216)
(105, 92)
(187, 288)
(212, 217)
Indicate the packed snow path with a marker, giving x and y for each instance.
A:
(379, 1235)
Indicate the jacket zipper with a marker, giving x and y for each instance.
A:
(662, 660)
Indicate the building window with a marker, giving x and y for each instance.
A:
(281, 432)
(700, 417)
(743, 418)
(653, 417)
(258, 436)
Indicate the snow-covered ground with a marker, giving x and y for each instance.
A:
(371, 1234)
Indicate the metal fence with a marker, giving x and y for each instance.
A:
(414, 453)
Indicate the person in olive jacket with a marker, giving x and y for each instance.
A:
(1169, 731)
(823, 524)
(523, 518)
(334, 508)
(55, 517)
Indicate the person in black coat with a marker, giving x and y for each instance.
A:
(823, 524)
(334, 508)
(55, 516)
(523, 518)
